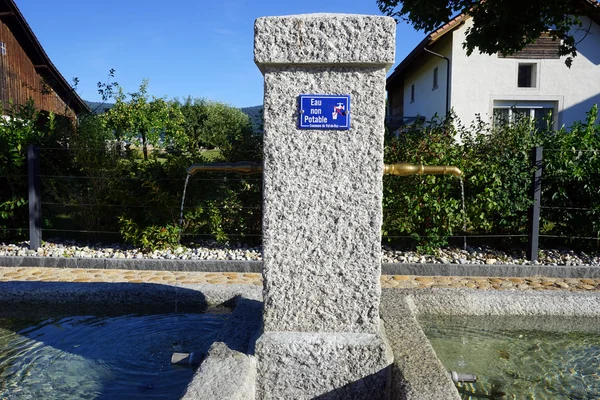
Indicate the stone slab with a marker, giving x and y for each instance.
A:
(300, 365)
(417, 373)
(50, 298)
(418, 269)
(500, 303)
(229, 370)
(225, 375)
(324, 39)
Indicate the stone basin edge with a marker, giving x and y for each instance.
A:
(420, 269)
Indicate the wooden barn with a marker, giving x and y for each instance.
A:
(27, 72)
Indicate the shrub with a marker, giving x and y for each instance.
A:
(571, 182)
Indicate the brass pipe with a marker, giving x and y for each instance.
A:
(404, 169)
(401, 169)
(242, 167)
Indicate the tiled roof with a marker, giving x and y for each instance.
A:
(458, 21)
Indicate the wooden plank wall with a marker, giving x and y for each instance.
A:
(396, 100)
(20, 81)
(544, 48)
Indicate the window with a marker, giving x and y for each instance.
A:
(543, 114)
(2, 48)
(412, 93)
(435, 78)
(527, 77)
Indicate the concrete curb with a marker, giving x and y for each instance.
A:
(133, 264)
(590, 272)
(490, 270)
(78, 298)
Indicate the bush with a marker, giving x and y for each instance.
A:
(498, 173)
(427, 207)
(571, 182)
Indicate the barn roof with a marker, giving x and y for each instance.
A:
(12, 17)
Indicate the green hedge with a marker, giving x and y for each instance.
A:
(109, 189)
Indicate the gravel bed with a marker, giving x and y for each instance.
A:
(219, 251)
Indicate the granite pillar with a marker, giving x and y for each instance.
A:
(323, 207)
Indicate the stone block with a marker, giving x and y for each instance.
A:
(225, 374)
(294, 365)
(324, 39)
(322, 204)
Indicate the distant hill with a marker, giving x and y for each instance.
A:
(98, 107)
(255, 115)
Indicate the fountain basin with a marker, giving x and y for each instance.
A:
(418, 373)
(519, 357)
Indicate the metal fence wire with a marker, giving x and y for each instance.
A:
(83, 202)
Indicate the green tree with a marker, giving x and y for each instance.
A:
(500, 26)
(212, 124)
(150, 119)
(195, 115)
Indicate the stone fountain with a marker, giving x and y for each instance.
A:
(322, 335)
(324, 110)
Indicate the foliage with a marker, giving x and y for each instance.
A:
(18, 128)
(92, 183)
(499, 26)
(150, 238)
(571, 180)
(211, 124)
(498, 177)
(148, 119)
(93, 162)
(425, 207)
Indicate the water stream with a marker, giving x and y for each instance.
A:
(464, 212)
(187, 179)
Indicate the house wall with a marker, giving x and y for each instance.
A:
(479, 80)
(20, 81)
(428, 101)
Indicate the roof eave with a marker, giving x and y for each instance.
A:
(67, 93)
(430, 39)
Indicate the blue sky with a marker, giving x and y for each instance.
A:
(202, 48)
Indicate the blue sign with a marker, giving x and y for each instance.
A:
(324, 111)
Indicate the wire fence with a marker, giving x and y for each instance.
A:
(99, 200)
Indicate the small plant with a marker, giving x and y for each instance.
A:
(149, 238)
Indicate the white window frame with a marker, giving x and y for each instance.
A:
(511, 105)
(2, 48)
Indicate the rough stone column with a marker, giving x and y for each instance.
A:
(322, 208)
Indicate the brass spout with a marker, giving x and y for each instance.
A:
(401, 169)
(242, 167)
(404, 169)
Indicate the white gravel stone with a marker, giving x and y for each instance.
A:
(219, 251)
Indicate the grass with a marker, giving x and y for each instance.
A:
(212, 154)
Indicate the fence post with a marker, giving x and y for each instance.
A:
(35, 200)
(534, 210)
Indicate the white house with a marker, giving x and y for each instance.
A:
(533, 81)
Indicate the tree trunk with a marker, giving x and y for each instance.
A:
(144, 147)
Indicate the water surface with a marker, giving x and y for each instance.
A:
(91, 357)
(520, 358)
